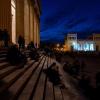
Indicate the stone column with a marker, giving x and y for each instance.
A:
(5, 15)
(35, 29)
(20, 17)
(13, 14)
(37, 32)
(37, 35)
(26, 21)
(31, 22)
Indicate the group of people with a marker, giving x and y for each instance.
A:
(5, 39)
(21, 42)
(16, 53)
(15, 56)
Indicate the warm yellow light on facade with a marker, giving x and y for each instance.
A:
(66, 48)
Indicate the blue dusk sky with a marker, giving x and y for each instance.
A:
(60, 17)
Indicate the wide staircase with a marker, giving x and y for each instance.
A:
(29, 82)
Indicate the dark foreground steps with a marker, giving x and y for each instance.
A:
(29, 82)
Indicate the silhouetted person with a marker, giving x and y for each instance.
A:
(1, 35)
(53, 74)
(87, 89)
(15, 57)
(5, 37)
(83, 65)
(21, 42)
(31, 45)
(98, 85)
(98, 80)
(66, 66)
(34, 54)
(58, 57)
(75, 69)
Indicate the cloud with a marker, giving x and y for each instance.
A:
(53, 20)
(74, 22)
(63, 16)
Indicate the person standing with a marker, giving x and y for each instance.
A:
(21, 42)
(5, 37)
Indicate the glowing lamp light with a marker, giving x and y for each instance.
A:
(58, 45)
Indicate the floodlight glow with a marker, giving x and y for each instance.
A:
(58, 45)
(86, 47)
(91, 47)
(74, 44)
(78, 47)
(82, 46)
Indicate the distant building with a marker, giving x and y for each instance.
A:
(81, 45)
(21, 17)
(71, 38)
(96, 39)
(85, 45)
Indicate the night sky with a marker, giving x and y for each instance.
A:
(60, 17)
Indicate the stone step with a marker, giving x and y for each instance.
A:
(31, 83)
(13, 77)
(20, 84)
(48, 91)
(6, 71)
(3, 59)
(28, 91)
(4, 65)
(3, 55)
(41, 84)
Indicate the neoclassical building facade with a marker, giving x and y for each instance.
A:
(21, 17)
(75, 44)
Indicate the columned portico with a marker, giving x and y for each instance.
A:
(20, 17)
(27, 21)
(5, 15)
(36, 31)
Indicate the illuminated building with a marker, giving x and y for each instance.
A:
(21, 17)
(71, 38)
(79, 45)
(84, 45)
(96, 39)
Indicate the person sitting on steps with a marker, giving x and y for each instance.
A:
(52, 73)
